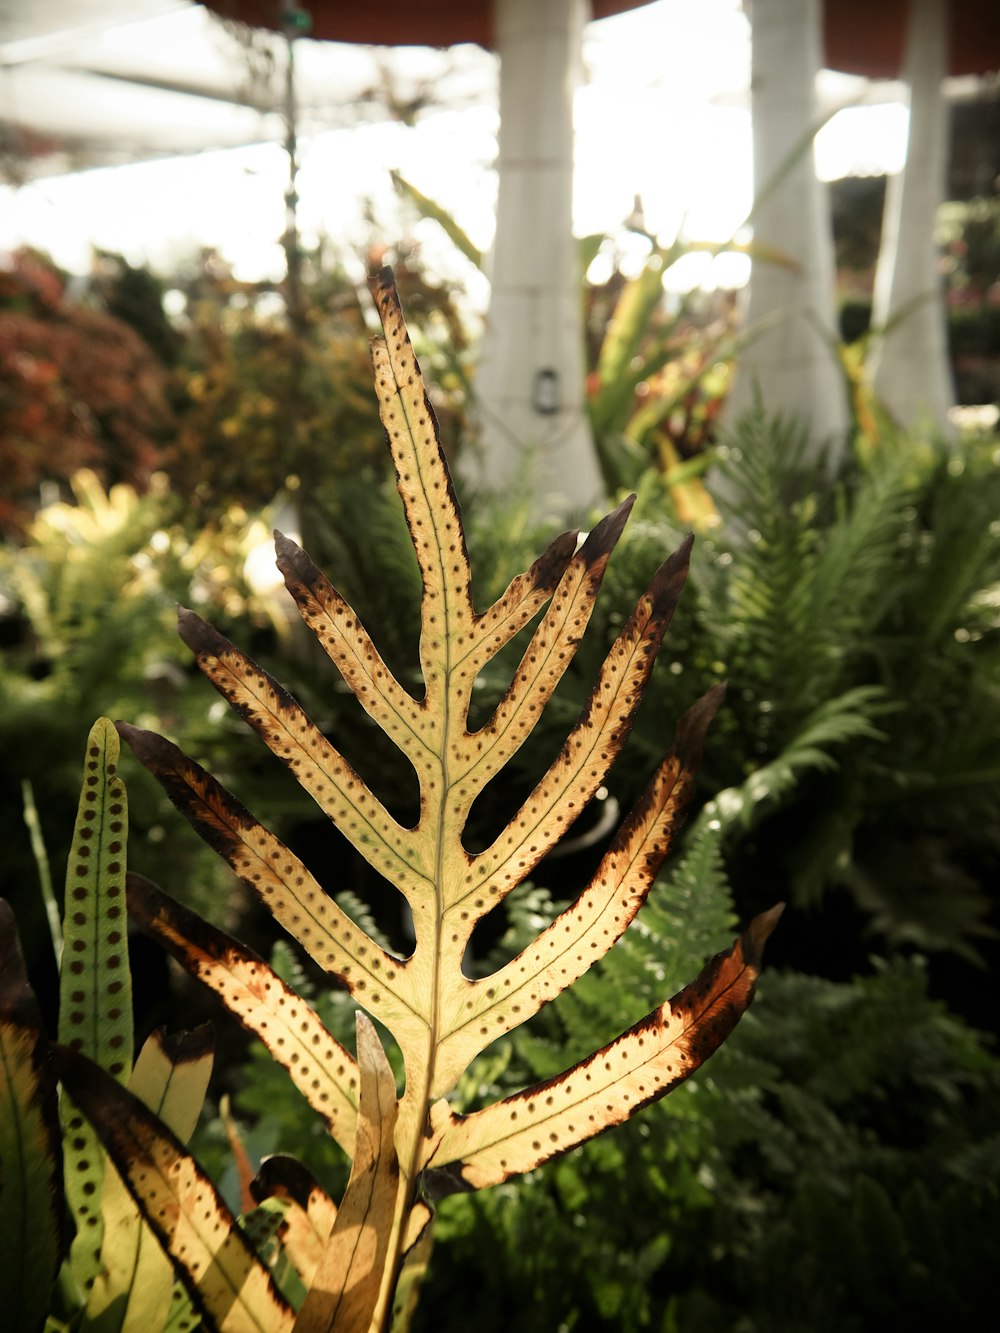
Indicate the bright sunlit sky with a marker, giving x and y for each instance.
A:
(662, 114)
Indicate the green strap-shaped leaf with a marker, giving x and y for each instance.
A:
(30, 1167)
(620, 365)
(642, 1065)
(132, 1290)
(428, 208)
(95, 989)
(346, 1286)
(224, 1278)
(324, 1072)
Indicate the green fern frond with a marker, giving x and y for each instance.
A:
(690, 910)
(848, 717)
(814, 568)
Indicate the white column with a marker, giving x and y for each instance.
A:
(794, 361)
(530, 382)
(911, 373)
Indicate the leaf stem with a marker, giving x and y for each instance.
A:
(41, 855)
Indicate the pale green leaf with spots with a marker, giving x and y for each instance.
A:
(182, 1316)
(95, 992)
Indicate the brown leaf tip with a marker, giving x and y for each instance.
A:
(668, 582)
(282, 1176)
(188, 1047)
(382, 282)
(382, 286)
(198, 634)
(292, 561)
(694, 724)
(181, 931)
(548, 569)
(149, 748)
(758, 932)
(602, 539)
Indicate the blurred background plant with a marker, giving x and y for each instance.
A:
(658, 378)
(254, 401)
(968, 231)
(78, 388)
(87, 611)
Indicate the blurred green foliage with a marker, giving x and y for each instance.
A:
(87, 618)
(659, 372)
(837, 1164)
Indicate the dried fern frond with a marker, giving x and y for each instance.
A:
(412, 1145)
